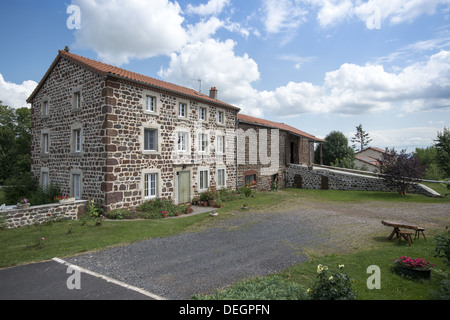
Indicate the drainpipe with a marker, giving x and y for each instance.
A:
(237, 150)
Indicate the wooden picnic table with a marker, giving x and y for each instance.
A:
(406, 235)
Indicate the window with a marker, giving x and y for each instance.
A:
(202, 114)
(221, 178)
(203, 142)
(250, 180)
(45, 179)
(220, 117)
(151, 185)
(76, 186)
(150, 140)
(77, 140)
(182, 110)
(182, 141)
(221, 144)
(77, 100)
(203, 180)
(150, 104)
(45, 108)
(45, 143)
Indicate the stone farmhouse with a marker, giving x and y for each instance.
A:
(106, 133)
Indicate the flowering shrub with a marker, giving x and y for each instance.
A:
(415, 264)
(336, 286)
(23, 201)
(57, 198)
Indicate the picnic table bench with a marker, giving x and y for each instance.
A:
(404, 234)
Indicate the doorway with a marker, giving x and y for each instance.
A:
(184, 187)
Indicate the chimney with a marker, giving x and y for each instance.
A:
(213, 93)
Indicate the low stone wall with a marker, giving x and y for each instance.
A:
(324, 178)
(38, 214)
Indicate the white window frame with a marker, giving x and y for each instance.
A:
(76, 184)
(77, 99)
(77, 140)
(183, 141)
(220, 145)
(203, 142)
(221, 117)
(45, 142)
(182, 110)
(203, 116)
(150, 107)
(203, 179)
(221, 179)
(151, 185)
(45, 177)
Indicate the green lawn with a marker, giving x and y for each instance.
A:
(61, 239)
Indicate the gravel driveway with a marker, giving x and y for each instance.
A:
(253, 244)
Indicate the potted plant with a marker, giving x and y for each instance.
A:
(414, 268)
(23, 203)
(164, 214)
(195, 201)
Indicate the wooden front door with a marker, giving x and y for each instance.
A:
(184, 186)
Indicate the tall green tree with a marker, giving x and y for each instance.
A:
(428, 158)
(15, 141)
(361, 139)
(336, 151)
(442, 145)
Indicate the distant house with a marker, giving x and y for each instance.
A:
(368, 158)
(123, 138)
(263, 160)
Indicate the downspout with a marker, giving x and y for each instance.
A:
(237, 150)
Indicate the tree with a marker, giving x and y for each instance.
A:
(428, 158)
(400, 171)
(335, 150)
(15, 141)
(442, 145)
(361, 139)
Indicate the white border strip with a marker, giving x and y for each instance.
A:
(151, 295)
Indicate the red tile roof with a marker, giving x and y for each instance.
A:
(109, 70)
(281, 126)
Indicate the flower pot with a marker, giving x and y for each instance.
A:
(22, 205)
(415, 273)
(164, 215)
(212, 202)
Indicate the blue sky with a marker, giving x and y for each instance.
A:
(318, 65)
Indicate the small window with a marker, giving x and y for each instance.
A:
(45, 143)
(220, 117)
(77, 140)
(221, 178)
(151, 185)
(221, 144)
(45, 106)
(182, 111)
(182, 141)
(77, 100)
(150, 140)
(150, 104)
(250, 180)
(76, 186)
(203, 180)
(45, 179)
(202, 114)
(203, 142)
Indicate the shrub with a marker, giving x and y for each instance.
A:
(336, 286)
(267, 288)
(442, 248)
(94, 208)
(153, 209)
(119, 214)
(245, 191)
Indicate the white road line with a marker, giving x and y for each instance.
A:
(122, 284)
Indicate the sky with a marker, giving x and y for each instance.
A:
(317, 65)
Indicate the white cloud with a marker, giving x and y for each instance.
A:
(217, 65)
(368, 89)
(15, 95)
(404, 138)
(140, 29)
(212, 7)
(283, 15)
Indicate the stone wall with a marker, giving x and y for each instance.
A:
(323, 178)
(62, 118)
(38, 214)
